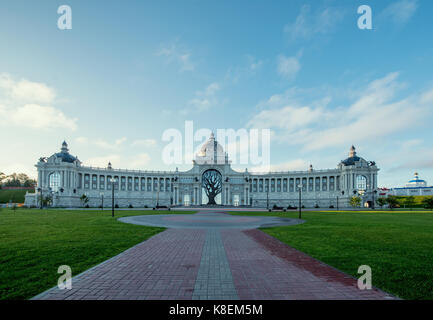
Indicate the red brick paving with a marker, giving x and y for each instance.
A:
(265, 268)
(163, 267)
(255, 266)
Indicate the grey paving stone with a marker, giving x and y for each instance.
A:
(214, 278)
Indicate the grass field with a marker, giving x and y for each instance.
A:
(398, 246)
(34, 243)
(12, 195)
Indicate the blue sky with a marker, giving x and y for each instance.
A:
(127, 71)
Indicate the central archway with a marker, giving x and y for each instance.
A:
(212, 185)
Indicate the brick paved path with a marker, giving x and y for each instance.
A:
(212, 263)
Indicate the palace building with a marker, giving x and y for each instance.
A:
(211, 181)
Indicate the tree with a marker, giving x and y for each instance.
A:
(2, 177)
(381, 202)
(46, 201)
(355, 201)
(212, 184)
(17, 180)
(84, 199)
(409, 202)
(392, 202)
(428, 202)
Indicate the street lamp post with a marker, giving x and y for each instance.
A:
(112, 196)
(267, 196)
(373, 204)
(102, 200)
(300, 201)
(41, 198)
(157, 193)
(338, 207)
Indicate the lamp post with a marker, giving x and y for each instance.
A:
(267, 196)
(300, 201)
(373, 204)
(157, 193)
(338, 207)
(102, 200)
(41, 199)
(112, 196)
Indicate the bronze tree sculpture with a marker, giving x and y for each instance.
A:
(212, 184)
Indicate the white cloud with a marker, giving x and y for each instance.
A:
(203, 100)
(253, 63)
(307, 24)
(288, 67)
(289, 117)
(178, 54)
(101, 143)
(32, 92)
(41, 117)
(144, 143)
(137, 162)
(30, 104)
(375, 113)
(401, 11)
(293, 165)
(15, 167)
(102, 162)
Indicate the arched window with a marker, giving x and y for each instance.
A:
(361, 183)
(54, 181)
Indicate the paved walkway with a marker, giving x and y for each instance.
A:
(212, 256)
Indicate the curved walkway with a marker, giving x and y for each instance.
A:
(212, 255)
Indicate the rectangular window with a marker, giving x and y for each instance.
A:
(109, 183)
(129, 183)
(255, 185)
(149, 184)
(143, 184)
(86, 181)
(304, 184)
(161, 184)
(136, 184)
(102, 182)
(324, 184)
(331, 183)
(310, 184)
(122, 183)
(297, 183)
(94, 181)
(167, 185)
(318, 184)
(292, 185)
(261, 185)
(284, 185)
(272, 185)
(278, 185)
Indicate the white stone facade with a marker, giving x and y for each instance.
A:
(66, 180)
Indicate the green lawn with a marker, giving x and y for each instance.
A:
(16, 196)
(398, 246)
(34, 243)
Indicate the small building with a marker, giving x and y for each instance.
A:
(414, 187)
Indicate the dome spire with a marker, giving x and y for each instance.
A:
(64, 148)
(352, 152)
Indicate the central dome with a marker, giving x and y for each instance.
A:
(211, 152)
